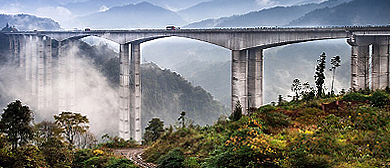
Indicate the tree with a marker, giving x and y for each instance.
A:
(71, 124)
(16, 124)
(319, 74)
(335, 62)
(296, 87)
(154, 130)
(46, 130)
(237, 113)
(182, 118)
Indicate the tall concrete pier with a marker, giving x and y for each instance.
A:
(33, 50)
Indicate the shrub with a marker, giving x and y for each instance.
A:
(379, 99)
(173, 159)
(355, 97)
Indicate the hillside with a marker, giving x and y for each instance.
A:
(28, 22)
(357, 12)
(140, 15)
(346, 131)
(276, 16)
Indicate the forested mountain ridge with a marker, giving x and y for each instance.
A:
(356, 12)
(275, 16)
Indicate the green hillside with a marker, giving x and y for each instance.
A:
(350, 130)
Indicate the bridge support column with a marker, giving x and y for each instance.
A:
(135, 88)
(41, 73)
(62, 87)
(22, 51)
(48, 73)
(255, 77)
(124, 92)
(34, 62)
(239, 79)
(360, 62)
(380, 63)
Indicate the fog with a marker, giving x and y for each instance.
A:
(94, 96)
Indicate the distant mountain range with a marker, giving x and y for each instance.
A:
(138, 15)
(357, 12)
(276, 16)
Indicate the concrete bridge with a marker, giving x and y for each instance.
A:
(369, 60)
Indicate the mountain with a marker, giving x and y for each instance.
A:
(357, 12)
(93, 6)
(218, 8)
(29, 22)
(139, 15)
(276, 16)
(200, 72)
(166, 94)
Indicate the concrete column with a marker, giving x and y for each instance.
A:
(28, 58)
(381, 52)
(71, 77)
(363, 67)
(255, 77)
(34, 65)
(16, 50)
(135, 88)
(22, 51)
(11, 47)
(376, 65)
(61, 77)
(41, 73)
(239, 79)
(124, 92)
(48, 73)
(354, 67)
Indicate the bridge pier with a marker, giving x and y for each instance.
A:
(135, 88)
(124, 92)
(369, 62)
(48, 72)
(247, 78)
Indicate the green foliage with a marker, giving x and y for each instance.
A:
(119, 143)
(80, 156)
(191, 162)
(296, 87)
(121, 163)
(173, 159)
(71, 124)
(237, 113)
(319, 74)
(16, 124)
(354, 96)
(56, 153)
(379, 98)
(28, 156)
(154, 130)
(295, 134)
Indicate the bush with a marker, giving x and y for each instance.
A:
(122, 163)
(355, 97)
(173, 159)
(379, 99)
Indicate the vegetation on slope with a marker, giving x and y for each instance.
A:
(350, 130)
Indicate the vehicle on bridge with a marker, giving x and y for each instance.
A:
(171, 27)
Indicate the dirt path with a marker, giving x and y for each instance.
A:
(135, 156)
